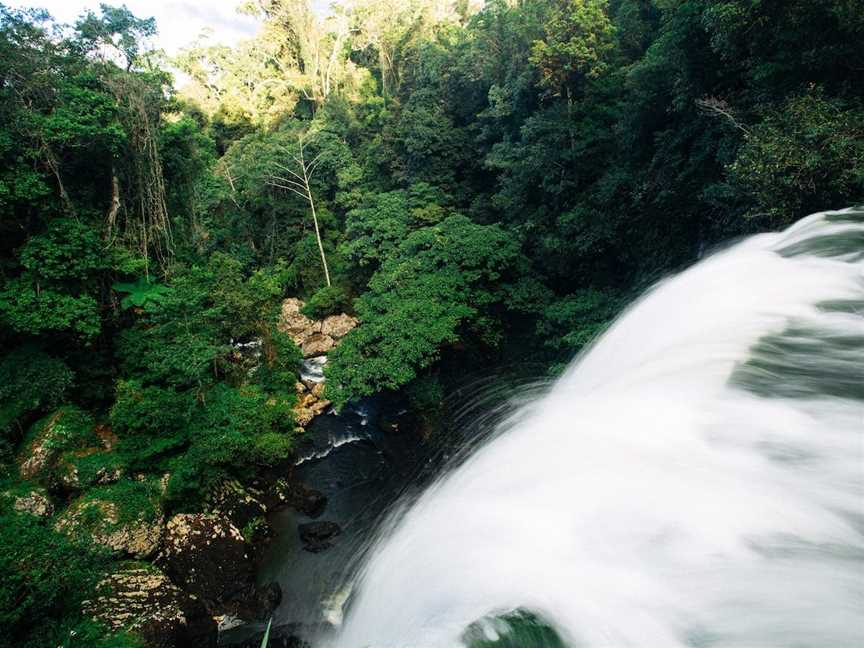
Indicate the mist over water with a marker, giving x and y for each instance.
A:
(695, 479)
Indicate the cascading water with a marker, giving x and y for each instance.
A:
(695, 479)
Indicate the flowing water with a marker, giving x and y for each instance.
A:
(695, 479)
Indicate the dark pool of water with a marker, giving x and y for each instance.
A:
(363, 461)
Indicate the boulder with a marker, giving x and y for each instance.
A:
(242, 506)
(208, 557)
(295, 323)
(35, 502)
(67, 452)
(338, 326)
(79, 469)
(308, 407)
(142, 600)
(300, 497)
(317, 344)
(314, 337)
(104, 522)
(316, 536)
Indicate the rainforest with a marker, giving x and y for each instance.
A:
(288, 326)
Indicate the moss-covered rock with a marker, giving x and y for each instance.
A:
(141, 600)
(95, 465)
(30, 499)
(126, 518)
(67, 429)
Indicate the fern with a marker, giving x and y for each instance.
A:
(143, 294)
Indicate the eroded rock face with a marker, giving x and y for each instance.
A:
(317, 344)
(142, 600)
(207, 556)
(101, 520)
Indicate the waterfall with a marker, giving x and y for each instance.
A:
(696, 478)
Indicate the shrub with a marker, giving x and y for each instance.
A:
(330, 300)
(44, 576)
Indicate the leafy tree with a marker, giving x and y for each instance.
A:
(115, 29)
(445, 282)
(805, 157)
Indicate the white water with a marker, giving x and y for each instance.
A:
(649, 500)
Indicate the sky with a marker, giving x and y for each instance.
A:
(179, 21)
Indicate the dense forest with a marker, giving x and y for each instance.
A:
(480, 184)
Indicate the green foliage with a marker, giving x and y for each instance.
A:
(129, 499)
(236, 429)
(281, 362)
(152, 422)
(330, 300)
(68, 250)
(489, 184)
(578, 41)
(44, 576)
(265, 641)
(31, 382)
(27, 308)
(116, 28)
(444, 282)
(806, 157)
(186, 341)
(570, 323)
(141, 294)
(69, 428)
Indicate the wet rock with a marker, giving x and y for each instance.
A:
(267, 598)
(308, 406)
(316, 536)
(300, 497)
(142, 600)
(35, 502)
(103, 521)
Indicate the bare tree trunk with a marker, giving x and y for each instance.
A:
(114, 209)
(314, 215)
(318, 236)
(299, 184)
